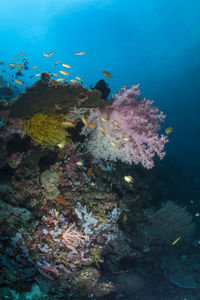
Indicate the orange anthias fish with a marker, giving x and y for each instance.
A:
(64, 72)
(68, 123)
(80, 53)
(79, 78)
(57, 62)
(21, 54)
(19, 82)
(89, 172)
(66, 66)
(107, 74)
(48, 54)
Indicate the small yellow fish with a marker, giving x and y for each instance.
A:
(126, 138)
(102, 129)
(79, 78)
(197, 214)
(64, 72)
(57, 62)
(115, 144)
(60, 79)
(19, 81)
(92, 125)
(85, 122)
(2, 63)
(38, 74)
(21, 54)
(48, 54)
(55, 74)
(12, 65)
(80, 53)
(169, 130)
(19, 66)
(68, 123)
(174, 242)
(9, 85)
(15, 58)
(104, 119)
(116, 123)
(125, 218)
(73, 80)
(62, 144)
(35, 67)
(107, 74)
(128, 178)
(80, 163)
(66, 66)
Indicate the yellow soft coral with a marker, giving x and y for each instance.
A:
(48, 129)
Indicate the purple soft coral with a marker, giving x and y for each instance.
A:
(127, 130)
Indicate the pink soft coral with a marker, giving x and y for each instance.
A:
(127, 130)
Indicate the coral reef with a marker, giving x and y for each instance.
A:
(71, 226)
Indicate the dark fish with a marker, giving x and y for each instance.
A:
(102, 86)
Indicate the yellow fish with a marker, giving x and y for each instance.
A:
(19, 81)
(80, 163)
(60, 79)
(73, 80)
(55, 74)
(126, 138)
(128, 178)
(85, 122)
(12, 65)
(115, 144)
(15, 58)
(107, 74)
(68, 123)
(35, 67)
(174, 242)
(79, 78)
(21, 54)
(125, 218)
(19, 66)
(104, 119)
(38, 74)
(62, 144)
(169, 130)
(57, 62)
(47, 54)
(92, 125)
(64, 72)
(66, 66)
(80, 53)
(116, 122)
(102, 129)
(2, 63)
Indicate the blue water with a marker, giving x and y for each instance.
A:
(152, 42)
